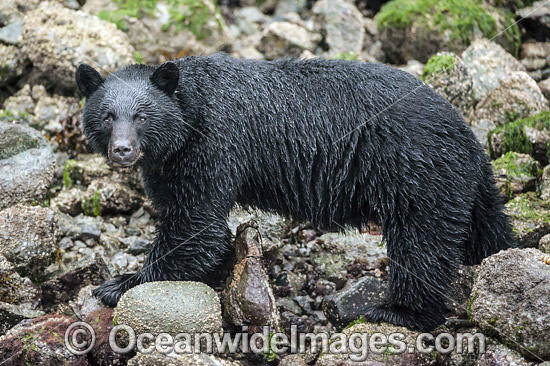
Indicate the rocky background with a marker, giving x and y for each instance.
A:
(69, 221)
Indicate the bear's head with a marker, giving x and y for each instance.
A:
(132, 115)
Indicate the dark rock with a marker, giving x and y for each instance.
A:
(348, 304)
(535, 21)
(459, 299)
(101, 321)
(11, 315)
(65, 284)
(15, 289)
(248, 298)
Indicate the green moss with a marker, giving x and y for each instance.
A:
(92, 205)
(437, 64)
(514, 136)
(511, 31)
(138, 57)
(360, 320)
(7, 114)
(529, 208)
(184, 14)
(460, 17)
(345, 56)
(509, 164)
(194, 18)
(69, 166)
(270, 355)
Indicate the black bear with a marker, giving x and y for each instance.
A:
(336, 143)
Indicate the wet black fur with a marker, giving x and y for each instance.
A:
(330, 142)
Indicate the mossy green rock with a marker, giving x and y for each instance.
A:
(417, 29)
(170, 306)
(530, 218)
(516, 173)
(528, 136)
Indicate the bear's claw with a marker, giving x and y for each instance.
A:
(110, 291)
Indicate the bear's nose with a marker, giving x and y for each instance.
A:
(122, 149)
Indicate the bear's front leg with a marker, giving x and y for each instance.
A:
(190, 247)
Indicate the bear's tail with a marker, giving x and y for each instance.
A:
(490, 228)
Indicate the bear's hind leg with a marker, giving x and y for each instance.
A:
(423, 265)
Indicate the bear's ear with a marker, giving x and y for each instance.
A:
(87, 79)
(166, 77)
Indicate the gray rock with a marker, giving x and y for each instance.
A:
(290, 6)
(86, 303)
(10, 33)
(348, 304)
(342, 24)
(57, 39)
(199, 359)
(107, 196)
(69, 201)
(293, 360)
(382, 357)
(284, 39)
(413, 67)
(15, 289)
(499, 355)
(12, 64)
(353, 246)
(544, 87)
(161, 35)
(488, 63)
(544, 244)
(517, 96)
(248, 298)
(43, 111)
(510, 300)
(454, 84)
(287, 304)
(28, 238)
(170, 306)
(27, 165)
(80, 227)
(481, 130)
(272, 227)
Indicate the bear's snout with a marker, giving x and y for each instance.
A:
(123, 153)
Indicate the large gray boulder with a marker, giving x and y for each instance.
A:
(170, 306)
(342, 24)
(28, 238)
(510, 299)
(57, 39)
(27, 165)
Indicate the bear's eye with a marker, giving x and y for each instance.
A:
(142, 119)
(107, 121)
